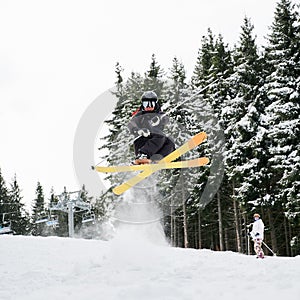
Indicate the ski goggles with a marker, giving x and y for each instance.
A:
(148, 103)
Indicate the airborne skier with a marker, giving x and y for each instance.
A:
(147, 125)
(151, 144)
(166, 163)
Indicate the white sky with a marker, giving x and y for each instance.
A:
(57, 56)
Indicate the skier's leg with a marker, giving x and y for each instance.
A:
(258, 249)
(138, 144)
(167, 148)
(153, 144)
(261, 252)
(141, 157)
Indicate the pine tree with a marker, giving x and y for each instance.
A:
(291, 180)
(4, 202)
(241, 116)
(153, 77)
(119, 81)
(221, 69)
(176, 93)
(202, 72)
(183, 124)
(38, 212)
(281, 118)
(19, 217)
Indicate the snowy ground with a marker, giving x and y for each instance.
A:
(132, 266)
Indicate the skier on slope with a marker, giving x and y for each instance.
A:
(257, 235)
(147, 124)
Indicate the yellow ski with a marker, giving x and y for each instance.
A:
(155, 166)
(190, 144)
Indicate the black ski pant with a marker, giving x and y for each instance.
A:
(155, 144)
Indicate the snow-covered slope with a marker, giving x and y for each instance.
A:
(131, 267)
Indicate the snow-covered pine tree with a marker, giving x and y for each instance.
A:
(240, 116)
(219, 68)
(38, 211)
(201, 74)
(291, 179)
(179, 130)
(213, 63)
(4, 200)
(282, 114)
(19, 217)
(154, 77)
(62, 217)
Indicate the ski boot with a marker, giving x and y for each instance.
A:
(260, 255)
(142, 159)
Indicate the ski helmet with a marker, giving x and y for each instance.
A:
(149, 101)
(256, 215)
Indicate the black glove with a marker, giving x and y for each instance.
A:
(155, 121)
(256, 234)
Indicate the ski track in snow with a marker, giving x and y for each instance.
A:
(134, 268)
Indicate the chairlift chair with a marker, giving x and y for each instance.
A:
(53, 221)
(5, 227)
(43, 218)
(88, 217)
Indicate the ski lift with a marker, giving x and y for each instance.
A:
(5, 226)
(43, 218)
(53, 221)
(88, 217)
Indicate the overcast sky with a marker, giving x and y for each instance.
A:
(57, 56)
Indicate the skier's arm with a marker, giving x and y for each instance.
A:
(160, 119)
(254, 230)
(132, 126)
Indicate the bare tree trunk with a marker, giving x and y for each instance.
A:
(272, 231)
(195, 236)
(185, 234)
(226, 239)
(220, 223)
(290, 237)
(236, 221)
(286, 236)
(212, 245)
(243, 231)
(172, 224)
(175, 233)
(199, 230)
(247, 238)
(185, 231)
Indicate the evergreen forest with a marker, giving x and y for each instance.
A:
(246, 97)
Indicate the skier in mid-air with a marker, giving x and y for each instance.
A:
(147, 124)
(257, 235)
